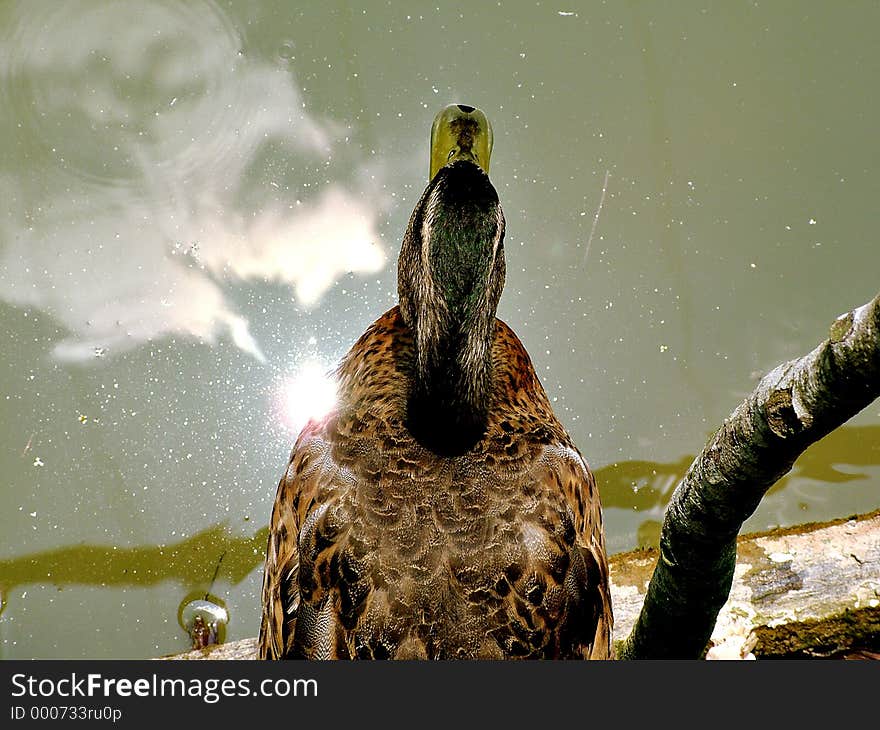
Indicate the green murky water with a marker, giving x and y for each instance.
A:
(203, 203)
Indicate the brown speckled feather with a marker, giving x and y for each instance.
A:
(379, 548)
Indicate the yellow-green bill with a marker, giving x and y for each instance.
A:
(460, 132)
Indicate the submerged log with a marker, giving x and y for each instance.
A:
(806, 591)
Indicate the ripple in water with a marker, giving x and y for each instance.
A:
(113, 98)
(134, 126)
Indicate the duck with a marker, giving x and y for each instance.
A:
(440, 510)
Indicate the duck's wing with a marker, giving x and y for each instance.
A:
(297, 492)
(563, 466)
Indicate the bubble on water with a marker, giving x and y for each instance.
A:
(205, 622)
(287, 51)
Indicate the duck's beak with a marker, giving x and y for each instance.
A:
(460, 132)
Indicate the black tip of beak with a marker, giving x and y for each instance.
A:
(465, 108)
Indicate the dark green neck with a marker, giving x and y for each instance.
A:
(451, 272)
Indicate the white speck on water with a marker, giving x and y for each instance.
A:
(173, 101)
(752, 266)
(33, 514)
(812, 221)
(38, 462)
(566, 13)
(788, 228)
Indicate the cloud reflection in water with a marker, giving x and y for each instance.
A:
(137, 153)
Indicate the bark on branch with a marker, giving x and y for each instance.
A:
(793, 406)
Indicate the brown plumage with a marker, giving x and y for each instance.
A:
(440, 511)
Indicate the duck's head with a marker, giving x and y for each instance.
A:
(451, 266)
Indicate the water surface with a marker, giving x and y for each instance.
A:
(203, 204)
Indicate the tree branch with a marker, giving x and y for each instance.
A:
(793, 406)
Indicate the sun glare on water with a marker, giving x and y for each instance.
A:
(308, 395)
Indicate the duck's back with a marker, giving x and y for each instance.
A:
(379, 548)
